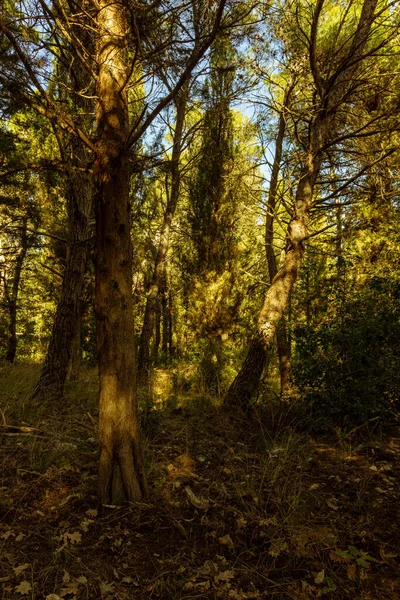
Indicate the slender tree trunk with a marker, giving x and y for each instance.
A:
(121, 476)
(321, 127)
(80, 192)
(157, 339)
(247, 381)
(144, 362)
(55, 368)
(170, 313)
(284, 347)
(76, 348)
(12, 298)
(165, 320)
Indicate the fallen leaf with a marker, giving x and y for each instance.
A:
(85, 524)
(66, 577)
(92, 512)
(387, 555)
(53, 597)
(70, 589)
(224, 576)
(73, 538)
(106, 587)
(23, 588)
(277, 547)
(18, 570)
(19, 537)
(194, 500)
(226, 540)
(332, 503)
(352, 572)
(319, 578)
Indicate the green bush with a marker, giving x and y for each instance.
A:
(348, 369)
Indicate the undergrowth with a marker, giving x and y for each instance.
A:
(252, 506)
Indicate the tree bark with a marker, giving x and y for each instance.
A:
(157, 339)
(247, 381)
(121, 476)
(332, 95)
(79, 192)
(165, 318)
(284, 347)
(144, 362)
(76, 348)
(170, 318)
(12, 298)
(55, 368)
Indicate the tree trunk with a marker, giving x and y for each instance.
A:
(76, 348)
(54, 371)
(321, 128)
(12, 297)
(121, 477)
(284, 347)
(247, 381)
(165, 319)
(171, 348)
(157, 339)
(79, 192)
(144, 362)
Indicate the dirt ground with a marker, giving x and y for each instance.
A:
(240, 508)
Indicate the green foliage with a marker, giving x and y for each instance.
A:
(347, 368)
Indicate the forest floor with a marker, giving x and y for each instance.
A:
(240, 508)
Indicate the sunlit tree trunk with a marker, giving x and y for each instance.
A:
(144, 361)
(333, 94)
(282, 336)
(121, 476)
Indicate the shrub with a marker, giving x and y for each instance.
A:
(347, 370)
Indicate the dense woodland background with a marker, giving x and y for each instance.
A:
(199, 214)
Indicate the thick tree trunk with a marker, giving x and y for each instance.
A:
(144, 362)
(121, 476)
(12, 295)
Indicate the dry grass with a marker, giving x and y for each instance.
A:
(241, 508)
